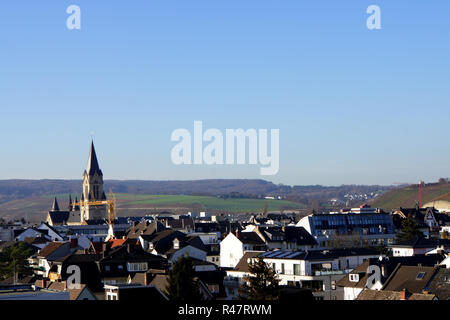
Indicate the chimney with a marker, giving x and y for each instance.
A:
(403, 294)
(73, 242)
(237, 233)
(65, 285)
(104, 248)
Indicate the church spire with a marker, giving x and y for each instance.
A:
(70, 203)
(55, 206)
(93, 166)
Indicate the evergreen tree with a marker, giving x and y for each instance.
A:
(261, 284)
(410, 230)
(13, 260)
(182, 284)
(383, 249)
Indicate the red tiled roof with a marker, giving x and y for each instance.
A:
(50, 248)
(117, 242)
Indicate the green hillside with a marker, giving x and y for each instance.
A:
(36, 208)
(203, 202)
(409, 196)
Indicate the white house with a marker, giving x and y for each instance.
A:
(418, 246)
(187, 251)
(317, 270)
(52, 252)
(234, 246)
(355, 229)
(32, 233)
(42, 231)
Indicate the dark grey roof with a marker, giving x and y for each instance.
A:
(242, 265)
(55, 206)
(319, 254)
(422, 243)
(93, 166)
(300, 235)
(145, 228)
(440, 285)
(163, 241)
(74, 216)
(59, 217)
(250, 238)
(407, 277)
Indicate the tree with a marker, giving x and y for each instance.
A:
(13, 260)
(383, 249)
(261, 284)
(410, 230)
(182, 284)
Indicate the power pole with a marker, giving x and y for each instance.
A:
(14, 275)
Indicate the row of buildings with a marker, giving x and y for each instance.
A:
(332, 255)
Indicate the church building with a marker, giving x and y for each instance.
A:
(90, 207)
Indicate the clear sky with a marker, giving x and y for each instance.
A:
(352, 105)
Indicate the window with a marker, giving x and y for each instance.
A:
(420, 275)
(107, 268)
(296, 269)
(354, 277)
(282, 268)
(333, 285)
(313, 285)
(137, 267)
(120, 267)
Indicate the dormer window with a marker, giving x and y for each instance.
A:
(354, 277)
(420, 275)
(176, 244)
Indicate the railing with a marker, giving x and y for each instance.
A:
(315, 273)
(329, 273)
(231, 282)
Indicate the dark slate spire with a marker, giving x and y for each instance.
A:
(70, 203)
(93, 166)
(55, 206)
(76, 207)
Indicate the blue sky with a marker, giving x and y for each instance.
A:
(352, 105)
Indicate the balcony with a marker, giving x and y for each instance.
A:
(329, 272)
(231, 282)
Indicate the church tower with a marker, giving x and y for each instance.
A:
(93, 190)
